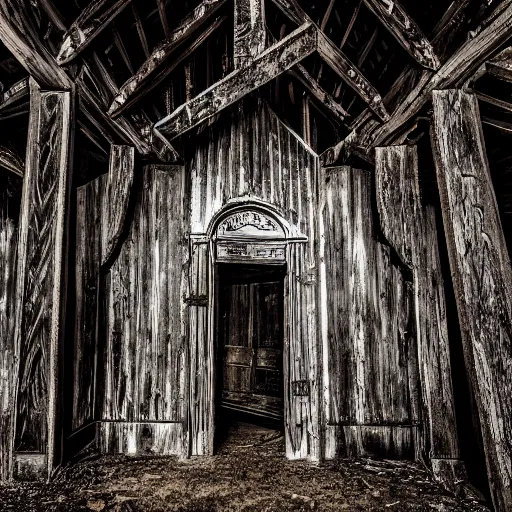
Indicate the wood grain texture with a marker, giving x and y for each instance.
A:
(8, 243)
(162, 439)
(386, 442)
(369, 349)
(454, 72)
(248, 156)
(145, 353)
(153, 71)
(482, 275)
(92, 20)
(406, 31)
(41, 268)
(250, 32)
(339, 63)
(88, 264)
(411, 229)
(267, 66)
(116, 198)
(19, 33)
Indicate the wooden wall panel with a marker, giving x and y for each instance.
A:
(145, 353)
(8, 242)
(141, 438)
(102, 210)
(88, 260)
(250, 155)
(411, 229)
(39, 319)
(367, 334)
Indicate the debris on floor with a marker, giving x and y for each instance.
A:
(249, 473)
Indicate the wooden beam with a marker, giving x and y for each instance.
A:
(14, 93)
(501, 65)
(249, 36)
(411, 229)
(268, 65)
(91, 22)
(339, 63)
(482, 275)
(19, 34)
(301, 74)
(456, 70)
(41, 276)
(152, 72)
(116, 198)
(405, 30)
(10, 161)
(163, 17)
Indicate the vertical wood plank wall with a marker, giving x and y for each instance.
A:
(146, 343)
(8, 243)
(250, 155)
(88, 262)
(39, 318)
(411, 229)
(370, 364)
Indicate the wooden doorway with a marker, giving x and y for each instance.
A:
(250, 331)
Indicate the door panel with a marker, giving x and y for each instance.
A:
(251, 334)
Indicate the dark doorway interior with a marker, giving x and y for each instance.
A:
(250, 346)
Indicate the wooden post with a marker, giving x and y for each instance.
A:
(411, 229)
(249, 31)
(482, 275)
(41, 281)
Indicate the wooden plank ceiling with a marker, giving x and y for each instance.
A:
(138, 62)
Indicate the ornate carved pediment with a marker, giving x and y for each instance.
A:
(249, 224)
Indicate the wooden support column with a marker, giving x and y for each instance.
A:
(482, 275)
(249, 31)
(411, 229)
(41, 281)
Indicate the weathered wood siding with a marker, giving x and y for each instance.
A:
(8, 242)
(250, 155)
(369, 348)
(102, 208)
(411, 229)
(88, 262)
(146, 341)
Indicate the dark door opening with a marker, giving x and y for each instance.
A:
(249, 330)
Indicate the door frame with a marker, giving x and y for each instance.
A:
(203, 276)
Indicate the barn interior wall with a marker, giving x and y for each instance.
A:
(370, 354)
(154, 328)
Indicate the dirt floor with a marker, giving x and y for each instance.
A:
(249, 473)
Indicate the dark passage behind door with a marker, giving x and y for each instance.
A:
(251, 339)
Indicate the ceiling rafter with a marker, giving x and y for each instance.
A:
(149, 74)
(274, 61)
(91, 22)
(163, 17)
(351, 75)
(501, 65)
(456, 70)
(338, 61)
(405, 30)
(314, 88)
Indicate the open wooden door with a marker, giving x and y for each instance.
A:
(250, 328)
